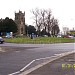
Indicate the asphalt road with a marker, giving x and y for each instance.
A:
(61, 66)
(14, 57)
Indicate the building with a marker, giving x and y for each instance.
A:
(20, 21)
(65, 30)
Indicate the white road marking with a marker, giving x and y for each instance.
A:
(14, 73)
(27, 65)
(22, 68)
(55, 55)
(45, 58)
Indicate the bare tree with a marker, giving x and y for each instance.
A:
(43, 20)
(43, 16)
(36, 16)
(49, 20)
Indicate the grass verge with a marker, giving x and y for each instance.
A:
(39, 40)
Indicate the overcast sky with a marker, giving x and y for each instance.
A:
(63, 10)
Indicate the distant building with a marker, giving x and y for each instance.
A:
(65, 30)
(20, 21)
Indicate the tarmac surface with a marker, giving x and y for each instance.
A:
(62, 66)
(18, 58)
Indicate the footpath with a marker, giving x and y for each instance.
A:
(62, 66)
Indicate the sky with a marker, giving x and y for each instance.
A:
(63, 10)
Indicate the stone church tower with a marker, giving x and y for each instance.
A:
(20, 21)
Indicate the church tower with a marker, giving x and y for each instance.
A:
(20, 21)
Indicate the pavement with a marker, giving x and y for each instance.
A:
(63, 65)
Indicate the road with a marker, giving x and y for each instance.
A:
(14, 57)
(61, 66)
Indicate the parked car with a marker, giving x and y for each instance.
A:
(68, 36)
(1, 40)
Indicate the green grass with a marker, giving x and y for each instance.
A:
(39, 40)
